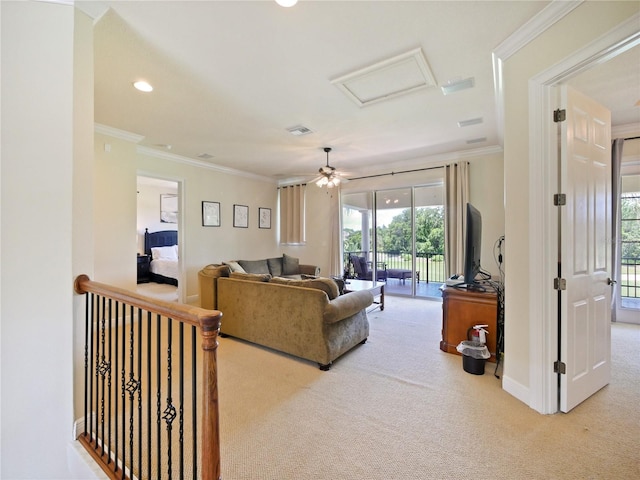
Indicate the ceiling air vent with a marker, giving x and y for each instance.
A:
(471, 121)
(299, 130)
(205, 156)
(477, 140)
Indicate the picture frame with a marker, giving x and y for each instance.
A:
(240, 216)
(168, 208)
(210, 214)
(264, 217)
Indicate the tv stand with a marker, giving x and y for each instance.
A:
(463, 308)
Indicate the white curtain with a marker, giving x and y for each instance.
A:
(456, 186)
(616, 187)
(334, 244)
(292, 220)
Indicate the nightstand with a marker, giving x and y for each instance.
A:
(144, 262)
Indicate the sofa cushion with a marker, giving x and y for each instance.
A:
(254, 266)
(290, 265)
(275, 266)
(327, 285)
(252, 277)
(234, 266)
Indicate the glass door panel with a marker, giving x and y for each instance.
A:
(429, 228)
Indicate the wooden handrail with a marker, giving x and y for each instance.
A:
(208, 321)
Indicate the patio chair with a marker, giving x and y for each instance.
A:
(362, 270)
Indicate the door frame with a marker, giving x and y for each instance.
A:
(182, 291)
(543, 224)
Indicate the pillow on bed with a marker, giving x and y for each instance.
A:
(164, 253)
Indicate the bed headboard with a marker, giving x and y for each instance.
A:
(164, 238)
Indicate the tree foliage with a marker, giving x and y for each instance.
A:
(396, 237)
(630, 226)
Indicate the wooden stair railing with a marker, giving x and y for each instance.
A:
(130, 370)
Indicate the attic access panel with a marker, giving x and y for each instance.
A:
(390, 78)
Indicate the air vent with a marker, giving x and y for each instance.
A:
(477, 140)
(205, 156)
(299, 130)
(471, 121)
(453, 86)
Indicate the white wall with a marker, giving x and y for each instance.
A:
(39, 235)
(587, 22)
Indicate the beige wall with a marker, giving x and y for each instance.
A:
(587, 22)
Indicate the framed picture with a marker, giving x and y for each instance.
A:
(264, 217)
(168, 208)
(210, 214)
(241, 216)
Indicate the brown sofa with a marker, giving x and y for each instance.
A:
(306, 318)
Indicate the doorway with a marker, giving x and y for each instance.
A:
(543, 390)
(158, 209)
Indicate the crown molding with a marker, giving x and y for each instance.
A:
(538, 24)
(117, 133)
(200, 164)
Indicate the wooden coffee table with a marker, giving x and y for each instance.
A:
(376, 288)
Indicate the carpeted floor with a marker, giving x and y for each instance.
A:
(397, 408)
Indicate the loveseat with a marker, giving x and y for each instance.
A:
(307, 318)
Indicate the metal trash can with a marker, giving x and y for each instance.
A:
(474, 356)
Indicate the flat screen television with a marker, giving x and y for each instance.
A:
(473, 242)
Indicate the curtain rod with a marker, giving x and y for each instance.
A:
(396, 173)
(631, 138)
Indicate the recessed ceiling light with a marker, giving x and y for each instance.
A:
(456, 85)
(143, 86)
(286, 3)
(471, 121)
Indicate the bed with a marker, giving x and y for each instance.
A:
(162, 248)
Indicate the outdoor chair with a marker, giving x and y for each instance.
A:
(362, 270)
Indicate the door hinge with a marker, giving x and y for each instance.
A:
(560, 367)
(559, 115)
(560, 199)
(559, 284)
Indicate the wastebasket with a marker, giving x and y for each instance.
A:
(474, 355)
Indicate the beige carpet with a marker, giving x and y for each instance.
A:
(397, 408)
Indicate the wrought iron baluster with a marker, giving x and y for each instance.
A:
(169, 413)
(140, 319)
(181, 381)
(107, 365)
(87, 307)
(158, 393)
(149, 395)
(100, 372)
(194, 403)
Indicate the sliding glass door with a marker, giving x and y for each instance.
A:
(407, 249)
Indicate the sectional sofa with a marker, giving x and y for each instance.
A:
(306, 317)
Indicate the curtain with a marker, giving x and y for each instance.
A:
(334, 245)
(292, 207)
(616, 187)
(456, 193)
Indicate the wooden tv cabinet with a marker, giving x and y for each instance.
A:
(461, 310)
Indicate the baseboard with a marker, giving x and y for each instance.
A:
(193, 300)
(516, 389)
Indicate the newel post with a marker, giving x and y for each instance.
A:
(210, 327)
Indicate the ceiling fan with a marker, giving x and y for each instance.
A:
(328, 177)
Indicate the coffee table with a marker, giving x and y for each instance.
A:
(376, 288)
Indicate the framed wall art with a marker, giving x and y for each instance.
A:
(210, 214)
(168, 208)
(240, 216)
(264, 217)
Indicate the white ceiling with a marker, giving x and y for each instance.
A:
(230, 77)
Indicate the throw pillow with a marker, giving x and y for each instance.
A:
(254, 266)
(290, 265)
(275, 266)
(234, 266)
(327, 285)
(251, 277)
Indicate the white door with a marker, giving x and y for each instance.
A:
(585, 316)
